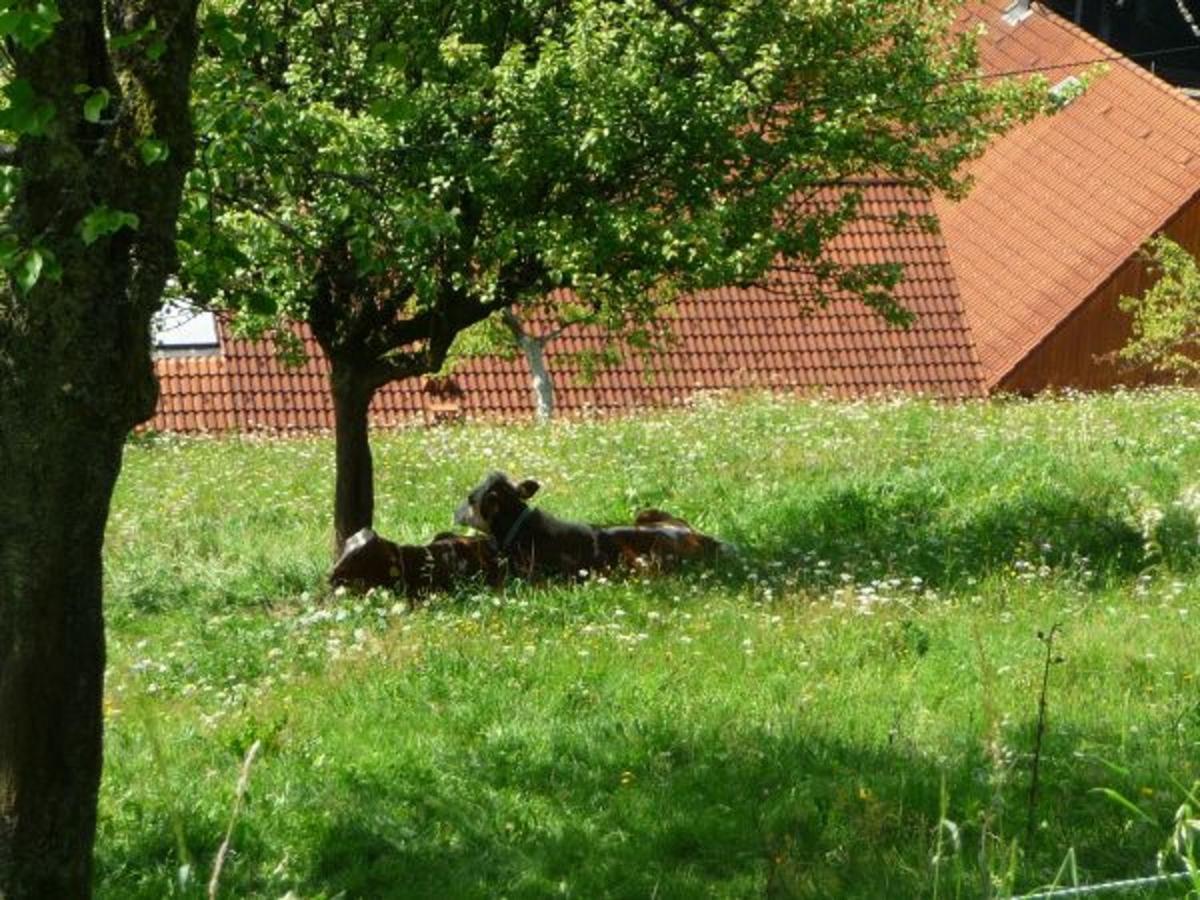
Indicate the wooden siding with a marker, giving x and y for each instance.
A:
(1072, 356)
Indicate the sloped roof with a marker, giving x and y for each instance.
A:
(754, 337)
(1060, 203)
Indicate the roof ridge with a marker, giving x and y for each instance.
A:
(1113, 55)
(1034, 161)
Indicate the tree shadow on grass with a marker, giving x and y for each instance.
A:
(878, 530)
(655, 811)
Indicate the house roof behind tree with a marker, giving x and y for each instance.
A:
(1059, 208)
(1061, 203)
(762, 336)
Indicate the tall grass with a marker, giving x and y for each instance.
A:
(848, 710)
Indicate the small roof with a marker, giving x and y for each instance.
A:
(1060, 203)
(180, 327)
(761, 336)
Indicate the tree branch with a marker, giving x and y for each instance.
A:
(680, 15)
(262, 212)
(513, 324)
(361, 181)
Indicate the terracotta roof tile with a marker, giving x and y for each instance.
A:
(759, 336)
(1060, 203)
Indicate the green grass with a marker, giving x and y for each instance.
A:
(792, 724)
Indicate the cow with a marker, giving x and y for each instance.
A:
(537, 544)
(368, 560)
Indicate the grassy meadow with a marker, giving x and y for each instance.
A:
(847, 709)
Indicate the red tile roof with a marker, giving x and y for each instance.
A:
(1058, 206)
(1060, 203)
(733, 338)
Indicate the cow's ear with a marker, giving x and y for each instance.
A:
(527, 488)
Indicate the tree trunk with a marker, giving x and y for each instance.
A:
(52, 516)
(541, 382)
(75, 377)
(540, 379)
(354, 481)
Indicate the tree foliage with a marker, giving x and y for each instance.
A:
(394, 172)
(482, 153)
(1166, 318)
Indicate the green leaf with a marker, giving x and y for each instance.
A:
(27, 266)
(29, 269)
(26, 113)
(388, 54)
(10, 250)
(51, 267)
(10, 180)
(153, 151)
(1121, 801)
(261, 304)
(30, 24)
(219, 29)
(95, 104)
(103, 221)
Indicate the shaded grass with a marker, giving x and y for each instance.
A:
(784, 726)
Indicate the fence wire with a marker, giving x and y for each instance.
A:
(1107, 887)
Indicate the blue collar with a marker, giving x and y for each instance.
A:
(516, 527)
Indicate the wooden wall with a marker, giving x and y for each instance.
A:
(1072, 355)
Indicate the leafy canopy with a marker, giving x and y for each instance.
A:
(407, 157)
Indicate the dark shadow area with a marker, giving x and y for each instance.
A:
(642, 807)
(752, 814)
(1177, 539)
(869, 529)
(879, 530)
(884, 530)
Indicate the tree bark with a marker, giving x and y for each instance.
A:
(541, 382)
(354, 478)
(540, 379)
(53, 511)
(75, 377)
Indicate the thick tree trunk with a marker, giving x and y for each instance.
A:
(75, 377)
(354, 480)
(52, 515)
(370, 339)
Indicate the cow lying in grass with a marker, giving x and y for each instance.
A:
(516, 539)
(537, 544)
(368, 561)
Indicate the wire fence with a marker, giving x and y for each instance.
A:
(1108, 887)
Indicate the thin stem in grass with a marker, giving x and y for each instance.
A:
(158, 755)
(990, 817)
(944, 827)
(242, 783)
(1047, 638)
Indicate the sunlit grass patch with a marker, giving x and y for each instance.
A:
(786, 724)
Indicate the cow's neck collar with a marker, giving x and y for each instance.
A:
(515, 529)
